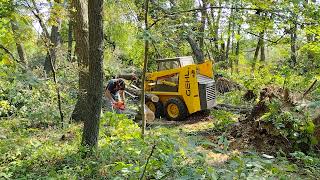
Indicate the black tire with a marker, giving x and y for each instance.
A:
(159, 111)
(182, 108)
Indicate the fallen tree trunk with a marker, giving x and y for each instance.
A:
(137, 92)
(237, 109)
(127, 76)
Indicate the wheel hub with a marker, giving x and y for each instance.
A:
(173, 110)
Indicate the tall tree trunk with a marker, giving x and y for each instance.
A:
(49, 64)
(195, 49)
(310, 39)
(293, 36)
(229, 36)
(211, 32)
(222, 50)
(203, 24)
(217, 23)
(232, 49)
(82, 52)
(145, 64)
(55, 41)
(237, 52)
(91, 123)
(19, 45)
(256, 53)
(262, 48)
(70, 39)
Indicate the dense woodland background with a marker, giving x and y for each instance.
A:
(55, 57)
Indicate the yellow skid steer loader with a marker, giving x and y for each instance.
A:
(182, 86)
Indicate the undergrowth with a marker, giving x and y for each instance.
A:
(30, 153)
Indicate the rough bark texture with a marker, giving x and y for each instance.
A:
(195, 49)
(82, 52)
(216, 31)
(70, 39)
(19, 45)
(229, 36)
(262, 49)
(91, 123)
(293, 36)
(310, 39)
(256, 53)
(222, 49)
(145, 63)
(237, 53)
(54, 42)
(203, 24)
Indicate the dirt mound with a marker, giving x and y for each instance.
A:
(253, 131)
(250, 134)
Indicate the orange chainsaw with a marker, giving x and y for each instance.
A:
(119, 105)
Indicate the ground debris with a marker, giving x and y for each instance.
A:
(224, 85)
(232, 108)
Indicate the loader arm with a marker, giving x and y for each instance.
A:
(164, 74)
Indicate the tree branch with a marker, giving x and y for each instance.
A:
(8, 52)
(37, 15)
(309, 89)
(145, 167)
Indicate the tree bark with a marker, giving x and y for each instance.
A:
(229, 36)
(310, 39)
(195, 49)
(237, 52)
(256, 53)
(262, 48)
(211, 32)
(82, 52)
(293, 36)
(222, 49)
(49, 64)
(70, 39)
(19, 45)
(216, 31)
(145, 63)
(55, 41)
(203, 24)
(91, 123)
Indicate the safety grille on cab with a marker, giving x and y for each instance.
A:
(210, 91)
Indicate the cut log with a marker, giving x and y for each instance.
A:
(149, 115)
(151, 97)
(129, 77)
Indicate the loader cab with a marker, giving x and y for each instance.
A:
(171, 83)
(172, 63)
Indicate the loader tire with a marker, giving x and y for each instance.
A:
(156, 108)
(175, 109)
